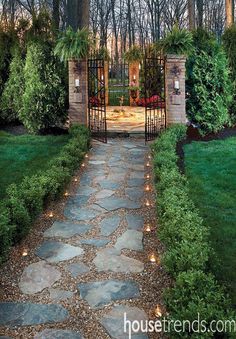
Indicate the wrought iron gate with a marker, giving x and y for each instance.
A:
(97, 99)
(154, 91)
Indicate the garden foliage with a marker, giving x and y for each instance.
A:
(208, 84)
(178, 41)
(187, 245)
(11, 101)
(24, 202)
(229, 43)
(44, 96)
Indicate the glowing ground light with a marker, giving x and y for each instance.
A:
(148, 176)
(86, 156)
(24, 253)
(149, 157)
(148, 164)
(50, 215)
(147, 188)
(152, 258)
(158, 312)
(148, 228)
(83, 164)
(147, 203)
(66, 194)
(75, 180)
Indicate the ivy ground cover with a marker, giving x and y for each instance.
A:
(211, 171)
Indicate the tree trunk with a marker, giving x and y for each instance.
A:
(56, 14)
(191, 14)
(78, 13)
(229, 6)
(200, 10)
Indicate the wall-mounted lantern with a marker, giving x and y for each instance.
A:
(176, 82)
(77, 85)
(77, 91)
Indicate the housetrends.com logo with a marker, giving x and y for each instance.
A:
(165, 325)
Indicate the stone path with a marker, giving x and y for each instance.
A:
(93, 256)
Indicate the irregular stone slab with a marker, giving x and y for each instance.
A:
(110, 185)
(56, 294)
(86, 191)
(131, 239)
(80, 214)
(104, 194)
(97, 242)
(134, 193)
(77, 269)
(38, 276)
(135, 222)
(136, 182)
(97, 162)
(57, 334)
(78, 200)
(109, 225)
(101, 293)
(54, 251)
(116, 177)
(5, 337)
(112, 260)
(26, 314)
(66, 229)
(115, 203)
(115, 326)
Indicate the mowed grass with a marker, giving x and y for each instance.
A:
(25, 155)
(211, 170)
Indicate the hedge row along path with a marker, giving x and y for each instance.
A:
(92, 264)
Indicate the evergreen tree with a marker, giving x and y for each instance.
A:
(44, 95)
(11, 101)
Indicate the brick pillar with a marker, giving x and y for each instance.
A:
(134, 72)
(78, 101)
(175, 99)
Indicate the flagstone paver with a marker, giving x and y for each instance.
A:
(26, 314)
(77, 269)
(102, 219)
(114, 322)
(54, 251)
(101, 293)
(38, 276)
(58, 334)
(66, 229)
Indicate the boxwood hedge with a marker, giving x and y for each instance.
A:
(24, 202)
(186, 240)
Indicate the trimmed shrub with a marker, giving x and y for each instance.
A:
(11, 101)
(197, 294)
(44, 99)
(178, 41)
(24, 202)
(187, 244)
(208, 84)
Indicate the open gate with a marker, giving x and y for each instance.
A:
(154, 91)
(97, 99)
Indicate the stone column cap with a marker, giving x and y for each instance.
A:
(180, 57)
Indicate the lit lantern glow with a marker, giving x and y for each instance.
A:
(83, 165)
(86, 156)
(66, 194)
(148, 176)
(148, 228)
(149, 157)
(24, 253)
(148, 164)
(75, 180)
(158, 312)
(153, 258)
(147, 203)
(147, 188)
(50, 215)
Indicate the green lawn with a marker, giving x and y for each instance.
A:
(25, 155)
(211, 170)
